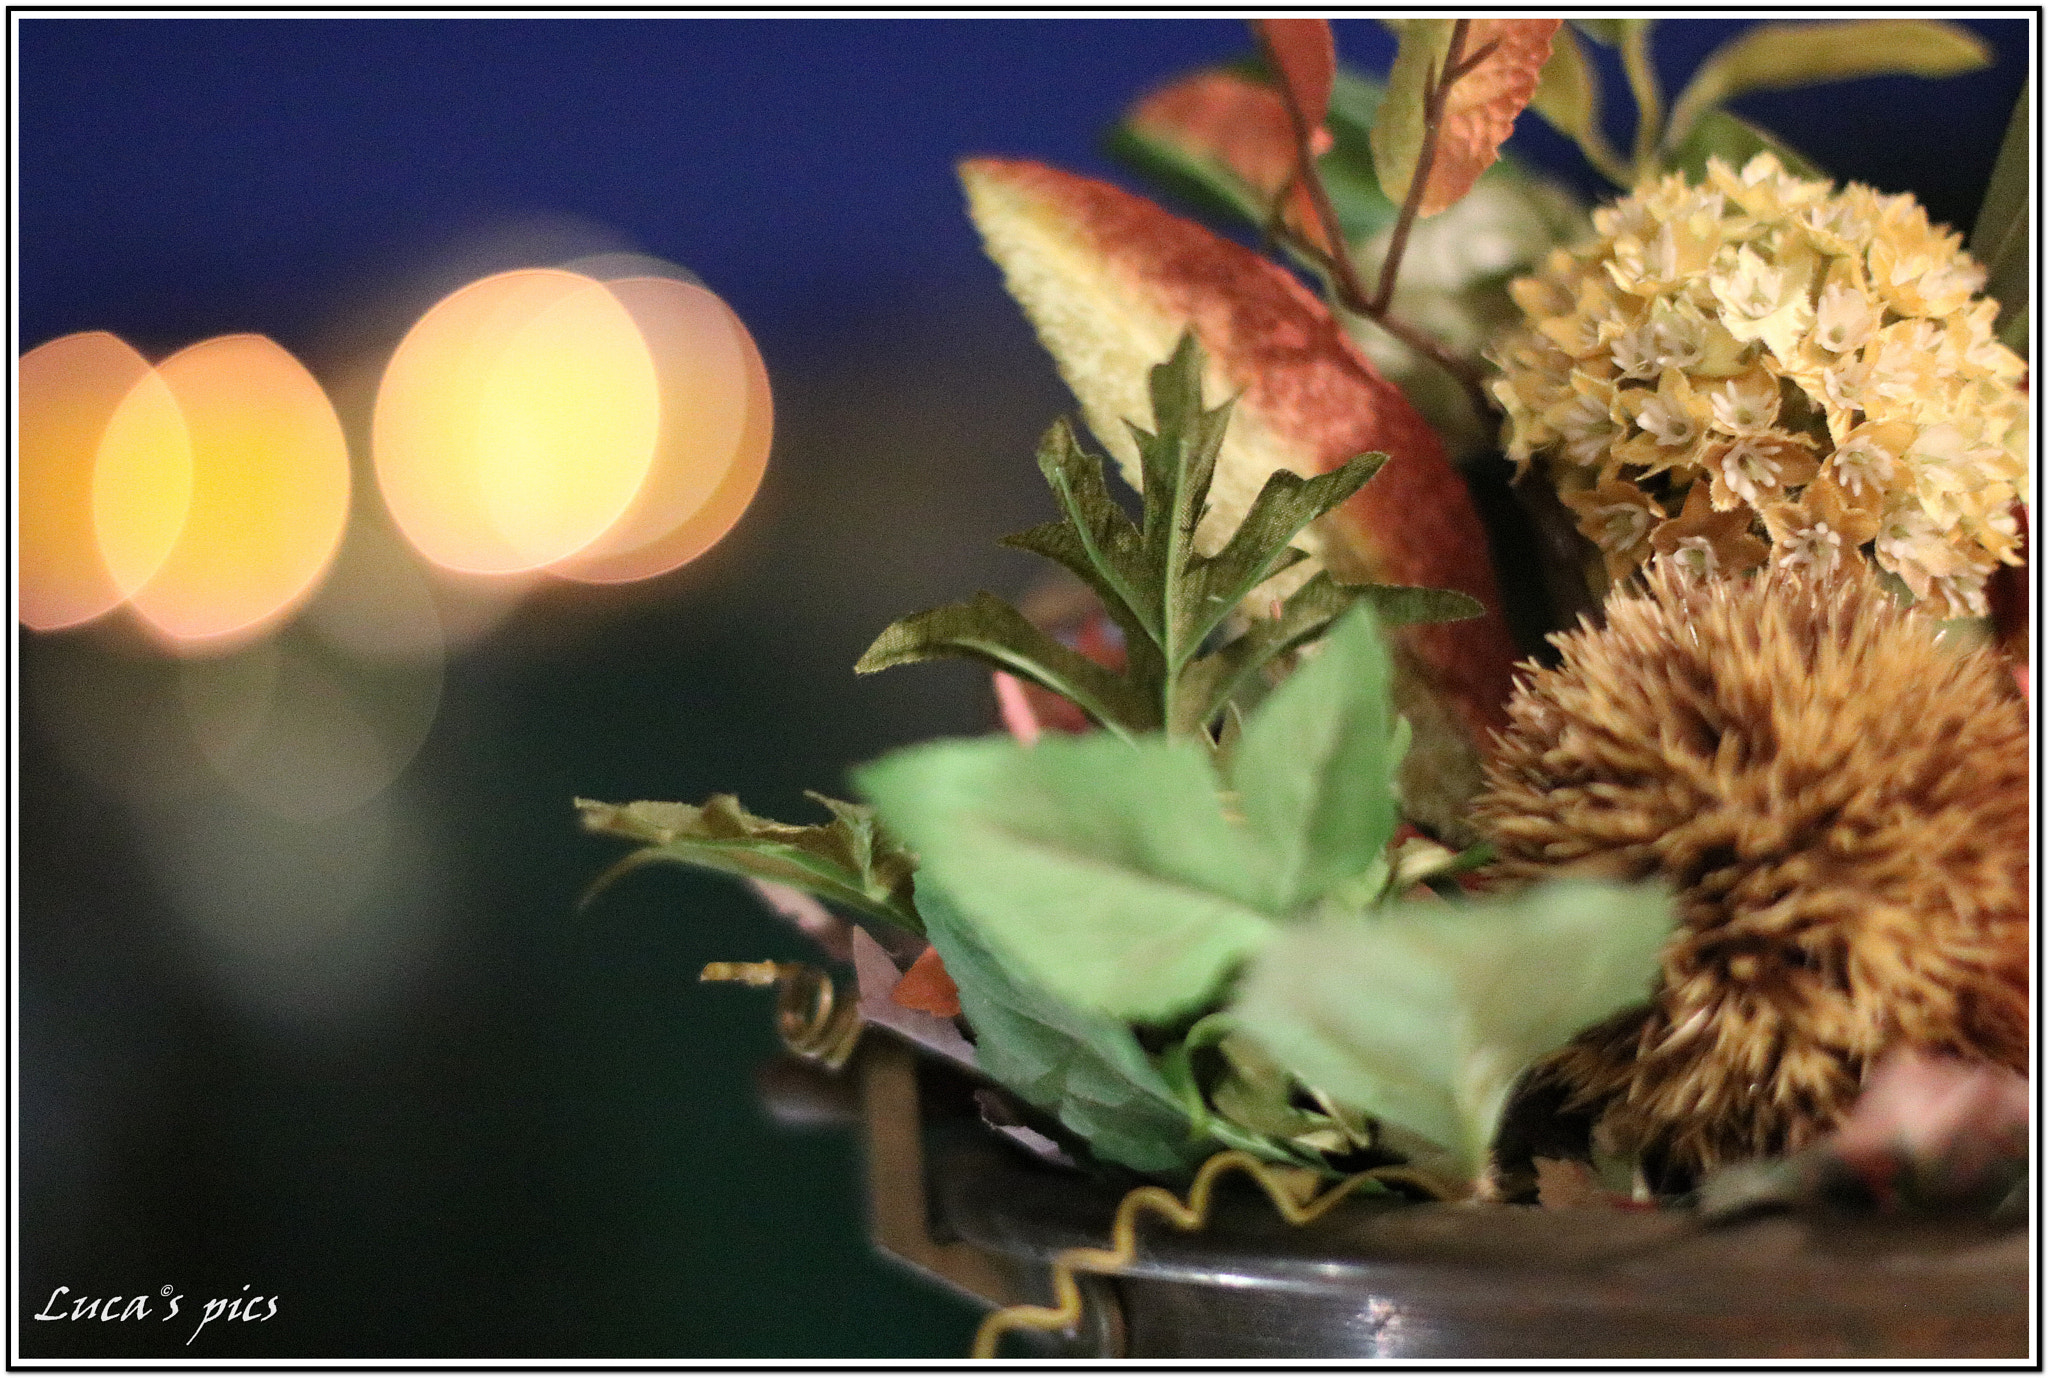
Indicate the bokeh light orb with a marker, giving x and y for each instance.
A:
(717, 423)
(270, 491)
(96, 520)
(516, 422)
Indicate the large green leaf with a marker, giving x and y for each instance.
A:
(1772, 57)
(1314, 771)
(848, 861)
(1105, 871)
(1086, 1068)
(1734, 140)
(1423, 1014)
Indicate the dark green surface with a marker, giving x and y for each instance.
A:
(545, 1141)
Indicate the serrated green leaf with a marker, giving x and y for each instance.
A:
(1462, 999)
(991, 631)
(1398, 605)
(1771, 57)
(1105, 871)
(1314, 772)
(1097, 541)
(1734, 140)
(1259, 547)
(847, 861)
(1087, 1069)
(1214, 679)
(2000, 240)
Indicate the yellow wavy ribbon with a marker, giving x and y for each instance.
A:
(1191, 1215)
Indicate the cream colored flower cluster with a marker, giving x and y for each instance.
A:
(1762, 368)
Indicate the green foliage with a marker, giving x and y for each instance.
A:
(1086, 1068)
(2000, 239)
(1170, 601)
(1424, 1014)
(1397, 132)
(1314, 769)
(848, 861)
(1772, 57)
(1734, 140)
(1103, 871)
(1213, 186)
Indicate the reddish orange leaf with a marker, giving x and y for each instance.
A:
(928, 986)
(1482, 106)
(1220, 117)
(1303, 55)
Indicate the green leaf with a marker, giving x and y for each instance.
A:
(1423, 1015)
(1085, 1068)
(1771, 57)
(1214, 679)
(1205, 183)
(1109, 544)
(1363, 209)
(1397, 132)
(1314, 772)
(1217, 678)
(1734, 140)
(1608, 33)
(990, 630)
(1214, 188)
(1259, 547)
(1400, 604)
(1568, 97)
(1105, 871)
(2000, 240)
(847, 861)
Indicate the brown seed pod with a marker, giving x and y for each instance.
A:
(1838, 799)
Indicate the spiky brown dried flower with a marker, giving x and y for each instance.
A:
(1838, 799)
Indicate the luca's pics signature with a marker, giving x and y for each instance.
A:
(163, 1307)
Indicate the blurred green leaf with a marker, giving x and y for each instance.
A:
(1363, 208)
(1568, 90)
(1734, 140)
(1314, 771)
(848, 861)
(2001, 240)
(1086, 1068)
(1608, 33)
(1423, 1014)
(1397, 132)
(1105, 871)
(1568, 96)
(1209, 182)
(1771, 57)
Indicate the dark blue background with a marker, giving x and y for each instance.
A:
(546, 1142)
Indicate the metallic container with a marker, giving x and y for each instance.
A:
(953, 1199)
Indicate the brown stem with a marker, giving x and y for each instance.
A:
(1468, 374)
(1335, 261)
(1436, 93)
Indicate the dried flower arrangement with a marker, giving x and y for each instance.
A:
(1308, 881)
